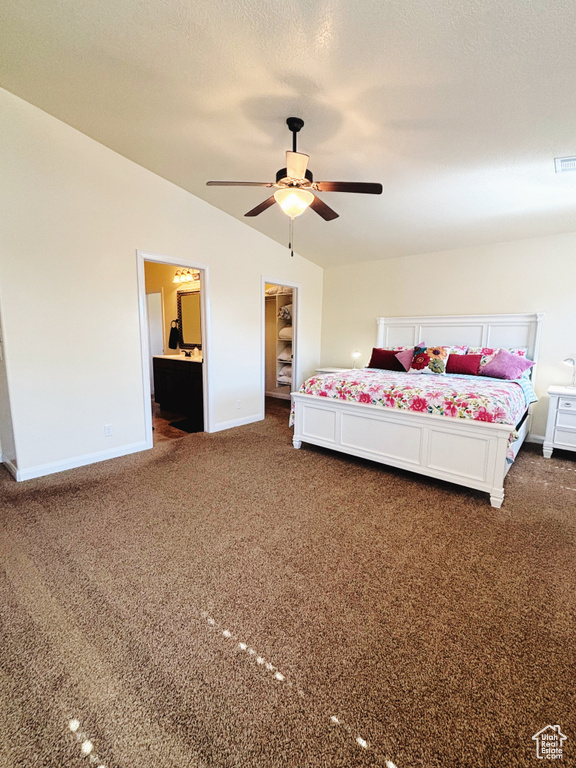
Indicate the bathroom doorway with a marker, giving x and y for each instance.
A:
(173, 323)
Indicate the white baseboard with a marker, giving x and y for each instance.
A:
(78, 461)
(237, 422)
(531, 438)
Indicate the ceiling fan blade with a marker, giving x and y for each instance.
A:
(296, 164)
(322, 209)
(348, 186)
(239, 184)
(262, 207)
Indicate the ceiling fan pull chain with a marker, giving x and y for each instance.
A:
(291, 237)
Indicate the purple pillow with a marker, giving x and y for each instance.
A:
(406, 356)
(505, 365)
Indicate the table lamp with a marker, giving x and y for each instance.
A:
(571, 361)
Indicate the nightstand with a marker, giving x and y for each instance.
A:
(331, 370)
(561, 424)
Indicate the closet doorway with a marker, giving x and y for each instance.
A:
(280, 314)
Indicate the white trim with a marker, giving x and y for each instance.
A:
(141, 257)
(296, 288)
(539, 439)
(79, 461)
(222, 425)
(144, 350)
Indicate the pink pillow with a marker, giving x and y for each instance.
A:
(468, 364)
(406, 356)
(505, 365)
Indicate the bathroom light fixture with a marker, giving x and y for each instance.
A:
(571, 361)
(186, 276)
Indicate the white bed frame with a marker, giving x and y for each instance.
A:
(470, 453)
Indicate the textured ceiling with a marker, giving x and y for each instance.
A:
(457, 107)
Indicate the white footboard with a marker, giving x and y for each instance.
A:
(469, 453)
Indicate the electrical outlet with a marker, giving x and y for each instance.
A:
(108, 430)
(238, 404)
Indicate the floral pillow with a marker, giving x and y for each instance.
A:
(433, 359)
(489, 353)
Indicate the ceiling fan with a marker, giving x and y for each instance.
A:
(296, 186)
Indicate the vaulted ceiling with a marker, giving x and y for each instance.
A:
(458, 107)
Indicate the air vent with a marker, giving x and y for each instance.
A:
(565, 164)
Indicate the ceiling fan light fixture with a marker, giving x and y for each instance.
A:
(293, 200)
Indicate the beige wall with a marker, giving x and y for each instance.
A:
(74, 214)
(537, 275)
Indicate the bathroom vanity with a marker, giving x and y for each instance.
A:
(178, 386)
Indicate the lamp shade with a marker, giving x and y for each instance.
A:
(572, 362)
(293, 200)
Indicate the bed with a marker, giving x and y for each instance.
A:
(471, 452)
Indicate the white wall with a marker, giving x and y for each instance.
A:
(537, 275)
(73, 215)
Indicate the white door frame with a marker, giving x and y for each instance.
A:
(161, 294)
(178, 262)
(295, 333)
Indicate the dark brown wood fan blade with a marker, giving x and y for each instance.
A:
(239, 184)
(349, 186)
(322, 209)
(262, 207)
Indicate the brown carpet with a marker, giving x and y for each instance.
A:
(225, 600)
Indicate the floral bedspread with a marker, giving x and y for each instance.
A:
(480, 398)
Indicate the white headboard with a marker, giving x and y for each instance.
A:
(473, 330)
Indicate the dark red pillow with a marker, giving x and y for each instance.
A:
(469, 364)
(386, 360)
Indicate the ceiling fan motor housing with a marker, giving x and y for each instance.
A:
(283, 178)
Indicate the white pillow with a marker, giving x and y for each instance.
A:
(286, 354)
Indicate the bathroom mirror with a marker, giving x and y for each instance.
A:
(189, 326)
